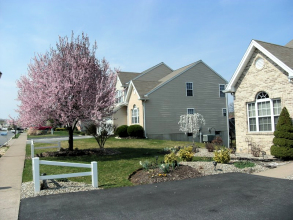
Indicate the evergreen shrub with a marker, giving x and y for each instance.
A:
(121, 131)
(283, 140)
(135, 131)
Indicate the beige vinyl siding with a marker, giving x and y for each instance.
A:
(156, 73)
(133, 100)
(168, 103)
(120, 116)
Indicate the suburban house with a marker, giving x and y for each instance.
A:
(261, 86)
(158, 96)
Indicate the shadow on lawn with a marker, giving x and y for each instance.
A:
(126, 154)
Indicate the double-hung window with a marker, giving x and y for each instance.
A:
(189, 89)
(135, 115)
(224, 112)
(221, 89)
(119, 96)
(263, 114)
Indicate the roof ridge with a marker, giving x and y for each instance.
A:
(273, 44)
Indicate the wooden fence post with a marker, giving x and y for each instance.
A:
(36, 173)
(94, 165)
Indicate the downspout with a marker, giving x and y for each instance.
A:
(227, 111)
(144, 119)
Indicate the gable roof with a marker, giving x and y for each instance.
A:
(177, 73)
(144, 88)
(126, 76)
(150, 69)
(281, 55)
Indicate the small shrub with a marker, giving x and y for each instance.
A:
(121, 131)
(165, 167)
(135, 131)
(145, 164)
(186, 154)
(242, 164)
(255, 151)
(217, 140)
(170, 158)
(210, 147)
(60, 129)
(82, 133)
(222, 156)
(166, 150)
(76, 132)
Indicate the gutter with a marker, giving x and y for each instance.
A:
(144, 118)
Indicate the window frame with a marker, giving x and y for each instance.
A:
(224, 113)
(190, 109)
(189, 89)
(220, 91)
(135, 118)
(257, 117)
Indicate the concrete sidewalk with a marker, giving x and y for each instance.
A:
(11, 167)
(279, 172)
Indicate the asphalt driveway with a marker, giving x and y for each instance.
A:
(226, 196)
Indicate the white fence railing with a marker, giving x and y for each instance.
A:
(58, 146)
(36, 171)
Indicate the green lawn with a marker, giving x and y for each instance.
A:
(113, 171)
(56, 134)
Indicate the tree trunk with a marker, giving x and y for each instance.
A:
(70, 140)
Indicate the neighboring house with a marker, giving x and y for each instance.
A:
(157, 97)
(262, 86)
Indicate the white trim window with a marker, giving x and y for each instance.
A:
(135, 115)
(190, 111)
(221, 89)
(224, 112)
(119, 96)
(189, 89)
(263, 114)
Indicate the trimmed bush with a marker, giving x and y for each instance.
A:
(135, 131)
(186, 154)
(121, 131)
(283, 140)
(170, 158)
(222, 156)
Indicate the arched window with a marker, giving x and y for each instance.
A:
(135, 115)
(263, 114)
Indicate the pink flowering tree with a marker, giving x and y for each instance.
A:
(191, 123)
(65, 85)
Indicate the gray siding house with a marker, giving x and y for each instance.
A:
(157, 97)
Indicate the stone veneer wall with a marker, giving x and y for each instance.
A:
(271, 79)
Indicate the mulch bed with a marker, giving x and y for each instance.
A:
(95, 151)
(141, 176)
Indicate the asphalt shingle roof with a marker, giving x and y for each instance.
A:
(283, 53)
(127, 76)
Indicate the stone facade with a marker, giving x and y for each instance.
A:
(274, 81)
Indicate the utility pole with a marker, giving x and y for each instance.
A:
(0, 74)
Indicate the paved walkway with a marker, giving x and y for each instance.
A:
(11, 167)
(279, 172)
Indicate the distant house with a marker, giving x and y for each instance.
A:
(262, 86)
(158, 96)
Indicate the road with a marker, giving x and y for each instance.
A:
(226, 196)
(4, 139)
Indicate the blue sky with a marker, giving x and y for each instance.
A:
(135, 35)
